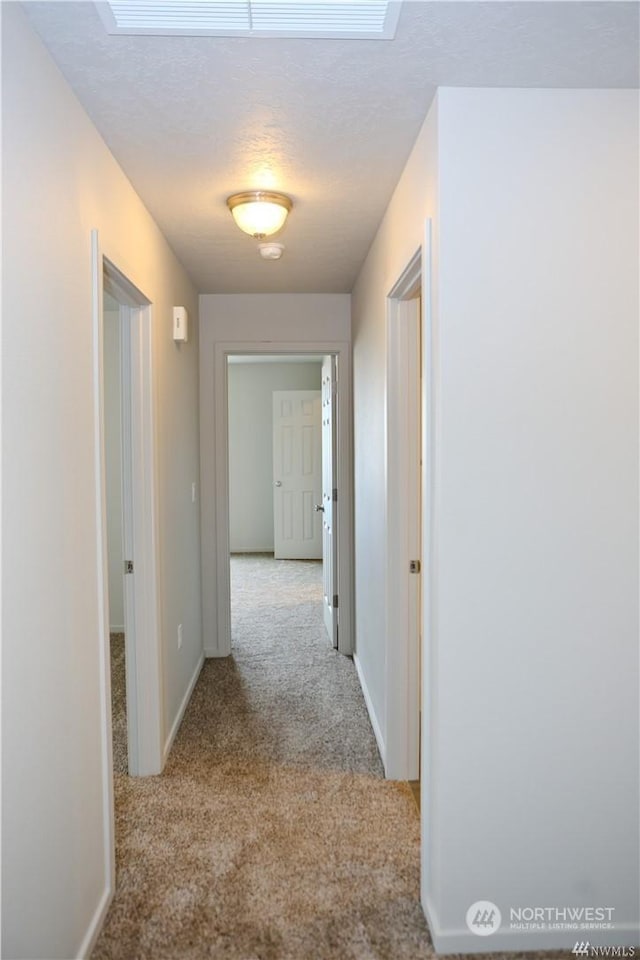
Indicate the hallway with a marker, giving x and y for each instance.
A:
(271, 833)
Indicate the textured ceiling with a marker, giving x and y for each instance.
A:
(330, 122)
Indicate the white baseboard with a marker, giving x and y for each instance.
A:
(372, 714)
(116, 629)
(181, 709)
(93, 931)
(210, 652)
(506, 940)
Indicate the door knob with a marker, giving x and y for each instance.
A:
(319, 508)
(278, 483)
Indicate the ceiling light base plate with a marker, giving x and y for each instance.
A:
(271, 251)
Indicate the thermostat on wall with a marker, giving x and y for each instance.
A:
(180, 324)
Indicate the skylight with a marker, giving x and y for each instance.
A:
(360, 19)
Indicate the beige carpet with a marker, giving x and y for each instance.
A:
(118, 703)
(271, 834)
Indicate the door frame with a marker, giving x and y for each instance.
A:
(215, 477)
(144, 686)
(406, 493)
(329, 484)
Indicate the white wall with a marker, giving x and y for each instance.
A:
(251, 387)
(295, 317)
(113, 463)
(538, 504)
(531, 679)
(304, 320)
(59, 182)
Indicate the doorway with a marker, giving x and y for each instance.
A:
(405, 564)
(215, 465)
(281, 483)
(126, 522)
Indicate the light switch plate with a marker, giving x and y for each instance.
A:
(180, 325)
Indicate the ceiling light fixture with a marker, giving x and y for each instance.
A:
(259, 213)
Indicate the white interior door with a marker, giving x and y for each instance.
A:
(329, 498)
(414, 502)
(128, 541)
(297, 474)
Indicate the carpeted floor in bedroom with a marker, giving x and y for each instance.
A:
(271, 834)
(118, 704)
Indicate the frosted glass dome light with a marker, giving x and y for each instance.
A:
(259, 213)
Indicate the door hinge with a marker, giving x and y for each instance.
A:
(335, 495)
(414, 566)
(335, 600)
(128, 566)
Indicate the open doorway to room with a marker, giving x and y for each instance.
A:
(215, 478)
(281, 435)
(406, 422)
(126, 523)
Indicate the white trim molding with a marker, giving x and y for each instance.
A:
(95, 926)
(102, 566)
(175, 726)
(214, 485)
(377, 728)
